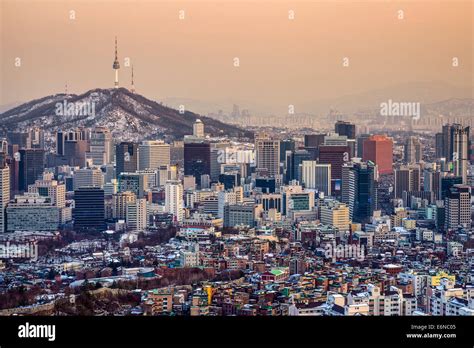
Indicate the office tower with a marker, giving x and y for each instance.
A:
(101, 146)
(75, 147)
(407, 178)
(133, 182)
(294, 164)
(174, 199)
(360, 144)
(13, 161)
(4, 194)
(230, 180)
(447, 143)
(286, 145)
(36, 136)
(413, 150)
(360, 190)
(198, 129)
(50, 188)
(336, 156)
(265, 185)
(89, 209)
(239, 215)
(137, 215)
(120, 202)
(32, 212)
(458, 207)
(153, 154)
(379, 149)
(313, 140)
(60, 140)
(460, 150)
(126, 158)
(218, 158)
(88, 177)
(345, 128)
(317, 176)
(197, 159)
(267, 155)
(432, 181)
(446, 183)
(31, 166)
(439, 150)
(22, 139)
(335, 213)
(223, 198)
(333, 139)
(3, 152)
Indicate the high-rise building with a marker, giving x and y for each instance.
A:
(126, 158)
(267, 155)
(133, 182)
(4, 194)
(460, 150)
(407, 178)
(336, 214)
(317, 176)
(88, 177)
(198, 129)
(360, 144)
(174, 199)
(137, 215)
(439, 149)
(294, 164)
(458, 207)
(89, 209)
(153, 154)
(120, 202)
(197, 159)
(379, 149)
(101, 146)
(286, 145)
(336, 156)
(359, 190)
(313, 140)
(345, 128)
(413, 150)
(31, 166)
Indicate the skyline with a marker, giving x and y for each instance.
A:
(189, 54)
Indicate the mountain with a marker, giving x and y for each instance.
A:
(129, 116)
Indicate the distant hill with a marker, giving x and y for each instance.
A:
(129, 116)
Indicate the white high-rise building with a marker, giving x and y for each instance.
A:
(198, 129)
(174, 199)
(268, 155)
(153, 154)
(4, 194)
(317, 176)
(137, 215)
(88, 177)
(101, 146)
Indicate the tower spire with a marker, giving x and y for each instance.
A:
(116, 65)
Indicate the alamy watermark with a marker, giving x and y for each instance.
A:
(85, 108)
(348, 251)
(19, 251)
(407, 109)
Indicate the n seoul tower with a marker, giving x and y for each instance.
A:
(116, 65)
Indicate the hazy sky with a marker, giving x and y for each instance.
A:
(282, 61)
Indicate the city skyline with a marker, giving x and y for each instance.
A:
(288, 61)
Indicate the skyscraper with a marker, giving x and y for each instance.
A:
(174, 199)
(197, 159)
(460, 150)
(317, 176)
(267, 155)
(137, 215)
(379, 149)
(101, 147)
(345, 128)
(4, 194)
(294, 164)
(336, 156)
(359, 190)
(153, 154)
(198, 129)
(126, 158)
(413, 150)
(407, 178)
(31, 166)
(458, 207)
(89, 209)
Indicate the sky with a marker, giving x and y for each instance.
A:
(281, 60)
